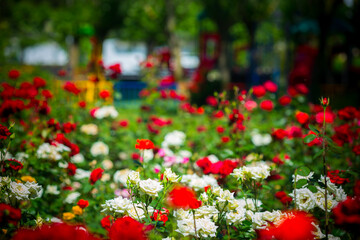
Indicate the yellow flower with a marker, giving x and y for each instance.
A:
(77, 210)
(28, 179)
(67, 216)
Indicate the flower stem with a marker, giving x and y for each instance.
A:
(325, 176)
(193, 211)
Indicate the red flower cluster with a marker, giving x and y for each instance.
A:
(72, 88)
(298, 89)
(60, 138)
(283, 197)
(95, 175)
(343, 134)
(212, 101)
(335, 178)
(83, 203)
(115, 70)
(356, 149)
(126, 228)
(223, 168)
(8, 214)
(161, 216)
(12, 164)
(183, 197)
(4, 132)
(349, 113)
(187, 107)
(69, 127)
(38, 82)
(347, 213)
(171, 94)
(144, 144)
(297, 226)
(56, 231)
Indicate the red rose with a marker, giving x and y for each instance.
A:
(71, 169)
(329, 117)
(4, 132)
(302, 117)
(83, 203)
(270, 86)
(267, 105)
(144, 144)
(285, 100)
(106, 223)
(54, 231)
(95, 175)
(127, 228)
(72, 88)
(8, 214)
(348, 113)
(46, 93)
(356, 149)
(220, 129)
(295, 226)
(13, 164)
(82, 104)
(259, 91)
(104, 94)
(62, 73)
(204, 164)
(183, 197)
(38, 82)
(123, 123)
(225, 139)
(227, 167)
(218, 114)
(279, 134)
(212, 101)
(14, 74)
(347, 214)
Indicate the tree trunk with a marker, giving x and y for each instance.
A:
(174, 45)
(74, 57)
(96, 56)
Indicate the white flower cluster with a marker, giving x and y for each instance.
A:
(174, 138)
(51, 151)
(20, 191)
(89, 129)
(205, 227)
(257, 171)
(260, 139)
(198, 183)
(99, 148)
(117, 207)
(171, 176)
(106, 111)
(120, 206)
(307, 200)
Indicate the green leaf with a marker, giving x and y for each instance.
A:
(300, 183)
(137, 163)
(303, 171)
(309, 138)
(267, 187)
(313, 128)
(318, 154)
(312, 188)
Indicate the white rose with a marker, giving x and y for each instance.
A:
(78, 158)
(138, 212)
(150, 187)
(107, 164)
(121, 176)
(52, 189)
(118, 206)
(171, 176)
(134, 177)
(19, 191)
(206, 227)
(72, 197)
(89, 129)
(99, 148)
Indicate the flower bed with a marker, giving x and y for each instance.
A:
(248, 165)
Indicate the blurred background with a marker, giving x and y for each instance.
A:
(204, 45)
